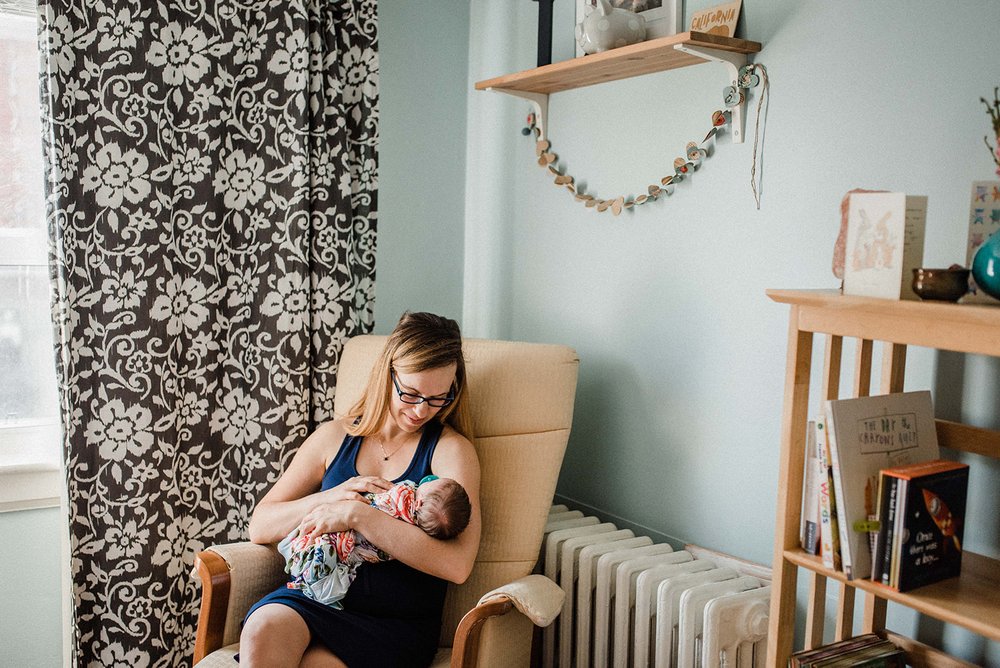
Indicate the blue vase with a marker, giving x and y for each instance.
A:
(986, 266)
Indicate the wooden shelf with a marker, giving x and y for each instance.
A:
(969, 600)
(966, 328)
(655, 55)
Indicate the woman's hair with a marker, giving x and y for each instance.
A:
(419, 342)
(444, 512)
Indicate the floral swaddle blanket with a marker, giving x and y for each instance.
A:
(323, 566)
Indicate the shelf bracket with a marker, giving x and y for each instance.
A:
(733, 63)
(540, 101)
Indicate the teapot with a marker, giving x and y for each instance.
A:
(608, 27)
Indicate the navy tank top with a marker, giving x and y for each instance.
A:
(344, 465)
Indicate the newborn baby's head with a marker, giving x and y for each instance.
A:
(443, 508)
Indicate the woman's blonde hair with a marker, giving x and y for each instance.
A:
(419, 342)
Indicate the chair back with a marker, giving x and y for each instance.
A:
(520, 405)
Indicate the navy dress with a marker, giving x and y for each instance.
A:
(392, 613)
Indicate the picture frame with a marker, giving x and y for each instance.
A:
(663, 17)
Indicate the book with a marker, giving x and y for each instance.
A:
(810, 530)
(807, 657)
(984, 221)
(866, 435)
(882, 555)
(885, 243)
(883, 654)
(829, 535)
(930, 518)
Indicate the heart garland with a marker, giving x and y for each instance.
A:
(684, 167)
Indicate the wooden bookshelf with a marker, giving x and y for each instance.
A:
(655, 55)
(971, 600)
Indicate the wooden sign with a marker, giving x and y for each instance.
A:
(718, 20)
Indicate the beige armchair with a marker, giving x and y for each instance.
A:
(521, 405)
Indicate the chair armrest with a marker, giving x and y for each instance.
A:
(536, 596)
(233, 578)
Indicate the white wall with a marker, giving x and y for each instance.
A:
(682, 355)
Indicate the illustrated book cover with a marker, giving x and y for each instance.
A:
(885, 243)
(866, 435)
(930, 519)
(984, 221)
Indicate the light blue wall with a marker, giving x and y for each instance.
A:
(423, 60)
(682, 355)
(30, 586)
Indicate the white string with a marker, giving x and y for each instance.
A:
(755, 185)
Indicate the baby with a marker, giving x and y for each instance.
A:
(324, 566)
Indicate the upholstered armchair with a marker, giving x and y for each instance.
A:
(521, 404)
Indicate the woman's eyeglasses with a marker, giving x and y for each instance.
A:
(412, 398)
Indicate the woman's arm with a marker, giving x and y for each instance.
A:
(450, 560)
(297, 493)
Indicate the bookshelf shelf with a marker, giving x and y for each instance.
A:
(970, 600)
(655, 55)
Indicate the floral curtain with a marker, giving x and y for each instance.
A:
(211, 197)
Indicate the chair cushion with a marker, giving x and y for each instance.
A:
(221, 658)
(522, 387)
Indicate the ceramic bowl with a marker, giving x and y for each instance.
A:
(947, 285)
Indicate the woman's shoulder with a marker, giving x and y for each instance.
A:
(453, 443)
(326, 440)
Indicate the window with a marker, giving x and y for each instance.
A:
(29, 426)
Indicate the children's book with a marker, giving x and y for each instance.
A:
(866, 435)
(885, 243)
(931, 514)
(829, 536)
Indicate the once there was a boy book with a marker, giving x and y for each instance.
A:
(930, 519)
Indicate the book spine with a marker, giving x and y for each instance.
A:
(830, 550)
(887, 521)
(810, 531)
(843, 523)
(897, 536)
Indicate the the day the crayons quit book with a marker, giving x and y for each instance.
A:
(932, 521)
(866, 435)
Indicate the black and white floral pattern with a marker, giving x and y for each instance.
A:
(212, 202)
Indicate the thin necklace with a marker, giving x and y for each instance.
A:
(386, 455)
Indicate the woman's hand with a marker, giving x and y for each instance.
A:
(330, 516)
(354, 488)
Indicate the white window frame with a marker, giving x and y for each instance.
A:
(30, 460)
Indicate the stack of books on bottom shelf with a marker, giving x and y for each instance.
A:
(867, 651)
(921, 517)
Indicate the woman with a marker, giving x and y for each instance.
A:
(407, 424)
